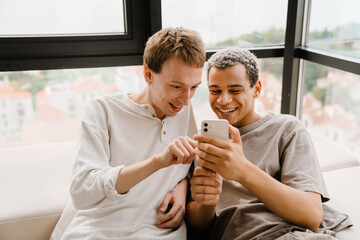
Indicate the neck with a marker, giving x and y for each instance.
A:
(248, 120)
(144, 97)
(140, 97)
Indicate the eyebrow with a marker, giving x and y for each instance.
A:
(230, 86)
(180, 83)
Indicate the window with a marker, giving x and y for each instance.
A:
(337, 29)
(20, 109)
(99, 43)
(63, 17)
(292, 39)
(326, 72)
(220, 25)
(224, 23)
(331, 104)
(54, 100)
(59, 97)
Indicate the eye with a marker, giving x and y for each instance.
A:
(235, 91)
(175, 86)
(215, 91)
(194, 87)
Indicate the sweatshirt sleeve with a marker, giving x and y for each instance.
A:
(93, 178)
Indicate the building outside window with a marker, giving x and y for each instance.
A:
(42, 106)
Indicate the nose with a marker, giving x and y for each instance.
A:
(224, 99)
(186, 96)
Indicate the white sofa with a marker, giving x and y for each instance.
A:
(34, 185)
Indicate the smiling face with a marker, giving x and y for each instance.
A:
(230, 95)
(173, 87)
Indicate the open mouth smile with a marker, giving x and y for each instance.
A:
(176, 108)
(227, 111)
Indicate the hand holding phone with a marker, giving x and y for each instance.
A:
(218, 128)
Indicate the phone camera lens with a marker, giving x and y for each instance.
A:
(205, 129)
(205, 124)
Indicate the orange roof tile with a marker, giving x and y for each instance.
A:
(9, 92)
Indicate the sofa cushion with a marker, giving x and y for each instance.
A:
(345, 196)
(35, 187)
(38, 228)
(333, 155)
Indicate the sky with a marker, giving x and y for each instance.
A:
(216, 20)
(333, 13)
(60, 16)
(243, 16)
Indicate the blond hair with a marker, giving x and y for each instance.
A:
(180, 42)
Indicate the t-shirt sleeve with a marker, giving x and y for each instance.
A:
(93, 178)
(300, 165)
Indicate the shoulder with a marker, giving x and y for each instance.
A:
(286, 121)
(104, 102)
(287, 127)
(101, 106)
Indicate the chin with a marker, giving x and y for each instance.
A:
(171, 114)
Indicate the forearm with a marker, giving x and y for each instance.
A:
(198, 216)
(131, 175)
(296, 206)
(88, 188)
(182, 185)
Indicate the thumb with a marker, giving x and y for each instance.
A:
(164, 204)
(235, 134)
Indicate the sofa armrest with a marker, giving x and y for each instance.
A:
(36, 191)
(31, 228)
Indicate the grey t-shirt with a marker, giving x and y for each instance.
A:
(280, 146)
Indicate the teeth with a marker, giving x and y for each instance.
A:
(176, 106)
(227, 111)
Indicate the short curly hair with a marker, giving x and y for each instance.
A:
(230, 56)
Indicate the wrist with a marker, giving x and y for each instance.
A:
(157, 162)
(245, 173)
(182, 184)
(185, 181)
(210, 209)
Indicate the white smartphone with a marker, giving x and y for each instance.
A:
(215, 127)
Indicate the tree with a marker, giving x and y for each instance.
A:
(313, 72)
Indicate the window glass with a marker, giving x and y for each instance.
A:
(336, 29)
(61, 17)
(271, 78)
(223, 23)
(331, 105)
(39, 107)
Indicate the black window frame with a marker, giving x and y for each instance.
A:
(297, 51)
(60, 52)
(143, 18)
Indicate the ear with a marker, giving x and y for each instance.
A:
(148, 74)
(257, 89)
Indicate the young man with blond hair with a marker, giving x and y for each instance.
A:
(134, 150)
